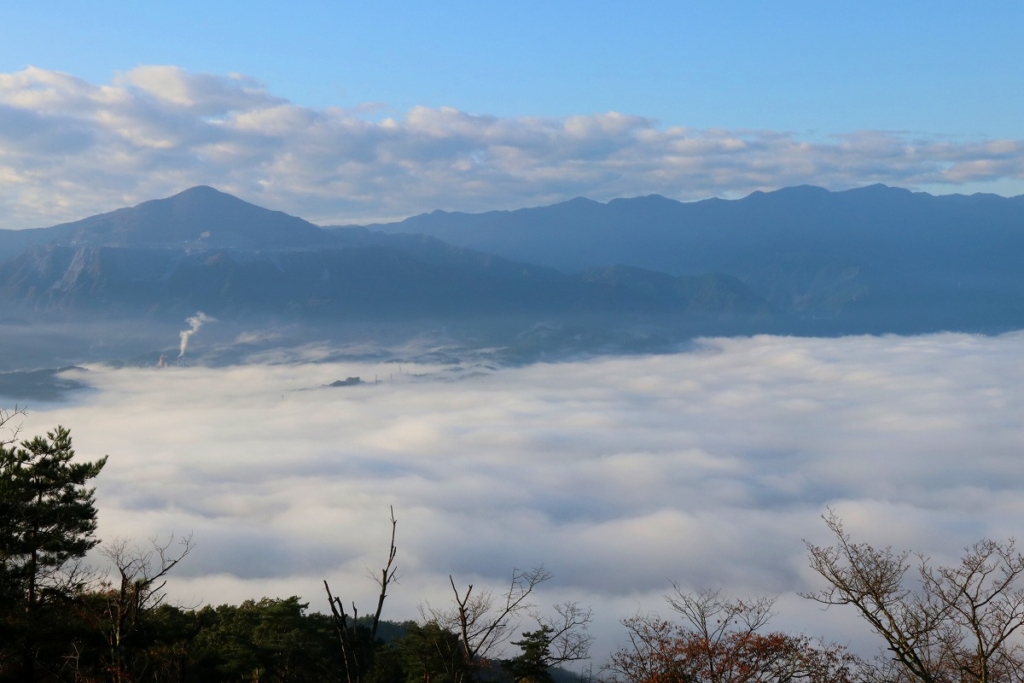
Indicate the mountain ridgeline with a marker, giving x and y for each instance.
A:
(799, 260)
(206, 250)
(873, 259)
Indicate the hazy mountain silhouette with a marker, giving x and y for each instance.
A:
(203, 249)
(871, 259)
(875, 259)
(199, 216)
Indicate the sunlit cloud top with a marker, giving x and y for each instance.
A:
(70, 148)
(619, 474)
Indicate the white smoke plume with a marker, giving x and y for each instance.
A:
(194, 323)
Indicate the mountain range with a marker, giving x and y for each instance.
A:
(872, 259)
(206, 250)
(801, 260)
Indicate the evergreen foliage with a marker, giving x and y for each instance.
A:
(47, 524)
(531, 666)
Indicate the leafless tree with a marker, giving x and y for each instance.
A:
(483, 620)
(713, 616)
(719, 640)
(356, 653)
(13, 430)
(557, 641)
(136, 591)
(957, 624)
(568, 639)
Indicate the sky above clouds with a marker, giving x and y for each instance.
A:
(342, 112)
(619, 474)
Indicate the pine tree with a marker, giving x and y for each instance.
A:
(532, 665)
(47, 522)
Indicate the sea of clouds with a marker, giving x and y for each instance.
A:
(619, 474)
(70, 148)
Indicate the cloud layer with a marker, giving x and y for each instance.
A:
(70, 148)
(620, 474)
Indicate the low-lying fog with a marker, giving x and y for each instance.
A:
(620, 474)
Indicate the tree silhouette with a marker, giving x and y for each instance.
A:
(47, 522)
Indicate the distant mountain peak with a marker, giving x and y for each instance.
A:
(879, 189)
(656, 199)
(800, 191)
(199, 215)
(198, 190)
(203, 198)
(201, 189)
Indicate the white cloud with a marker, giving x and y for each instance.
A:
(70, 148)
(620, 474)
(203, 94)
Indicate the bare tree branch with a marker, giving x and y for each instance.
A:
(13, 430)
(720, 641)
(137, 590)
(387, 575)
(958, 624)
(356, 664)
(484, 621)
(567, 638)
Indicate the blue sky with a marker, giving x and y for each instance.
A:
(937, 73)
